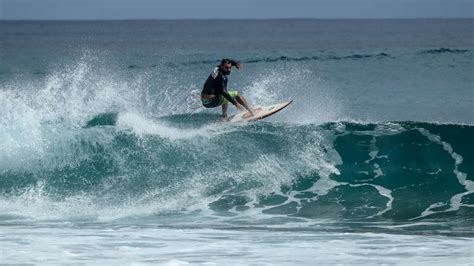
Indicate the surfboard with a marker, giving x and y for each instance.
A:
(260, 112)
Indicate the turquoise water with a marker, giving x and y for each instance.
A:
(106, 155)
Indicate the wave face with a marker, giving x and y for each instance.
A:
(400, 171)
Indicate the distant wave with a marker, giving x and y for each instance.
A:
(284, 58)
(138, 66)
(445, 50)
(301, 59)
(323, 58)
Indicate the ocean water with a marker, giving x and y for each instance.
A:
(107, 157)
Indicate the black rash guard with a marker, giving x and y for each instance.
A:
(216, 84)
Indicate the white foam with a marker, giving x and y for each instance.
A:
(107, 244)
(35, 204)
(317, 105)
(20, 131)
(40, 118)
(35, 115)
(144, 126)
(455, 201)
(386, 193)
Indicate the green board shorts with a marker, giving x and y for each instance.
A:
(209, 103)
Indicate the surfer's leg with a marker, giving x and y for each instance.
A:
(211, 103)
(224, 110)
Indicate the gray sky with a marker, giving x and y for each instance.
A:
(196, 9)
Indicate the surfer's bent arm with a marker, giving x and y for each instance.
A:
(223, 90)
(229, 98)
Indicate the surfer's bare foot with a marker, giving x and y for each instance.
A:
(224, 118)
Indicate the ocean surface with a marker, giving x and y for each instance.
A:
(107, 157)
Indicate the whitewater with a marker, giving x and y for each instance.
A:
(107, 156)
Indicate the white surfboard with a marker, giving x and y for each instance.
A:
(260, 112)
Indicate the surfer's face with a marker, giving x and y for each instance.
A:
(226, 68)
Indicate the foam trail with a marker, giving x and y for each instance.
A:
(455, 202)
(143, 126)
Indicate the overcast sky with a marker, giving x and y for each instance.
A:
(196, 9)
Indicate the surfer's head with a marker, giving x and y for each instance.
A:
(226, 66)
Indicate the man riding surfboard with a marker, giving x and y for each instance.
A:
(215, 91)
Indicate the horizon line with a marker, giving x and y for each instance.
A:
(230, 19)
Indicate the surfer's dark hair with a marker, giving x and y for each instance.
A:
(226, 61)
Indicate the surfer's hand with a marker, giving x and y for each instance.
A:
(238, 66)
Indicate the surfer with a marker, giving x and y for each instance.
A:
(215, 91)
